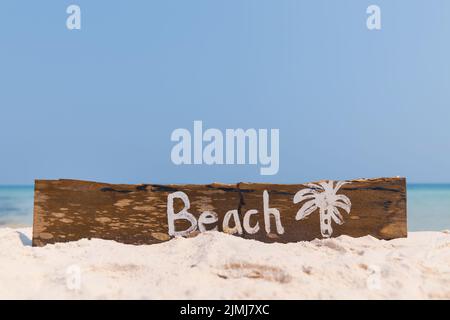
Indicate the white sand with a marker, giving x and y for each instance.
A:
(218, 266)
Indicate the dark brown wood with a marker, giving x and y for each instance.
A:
(68, 210)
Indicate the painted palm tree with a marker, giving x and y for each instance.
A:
(323, 196)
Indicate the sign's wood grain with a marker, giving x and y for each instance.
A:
(68, 210)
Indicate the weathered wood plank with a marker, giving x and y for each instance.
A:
(68, 210)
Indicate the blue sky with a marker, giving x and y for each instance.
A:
(100, 103)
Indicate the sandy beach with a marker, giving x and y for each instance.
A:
(218, 266)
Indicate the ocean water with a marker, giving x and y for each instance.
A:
(428, 206)
(16, 206)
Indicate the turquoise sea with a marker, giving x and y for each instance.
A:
(428, 206)
(16, 205)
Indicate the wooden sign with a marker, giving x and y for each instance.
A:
(67, 210)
